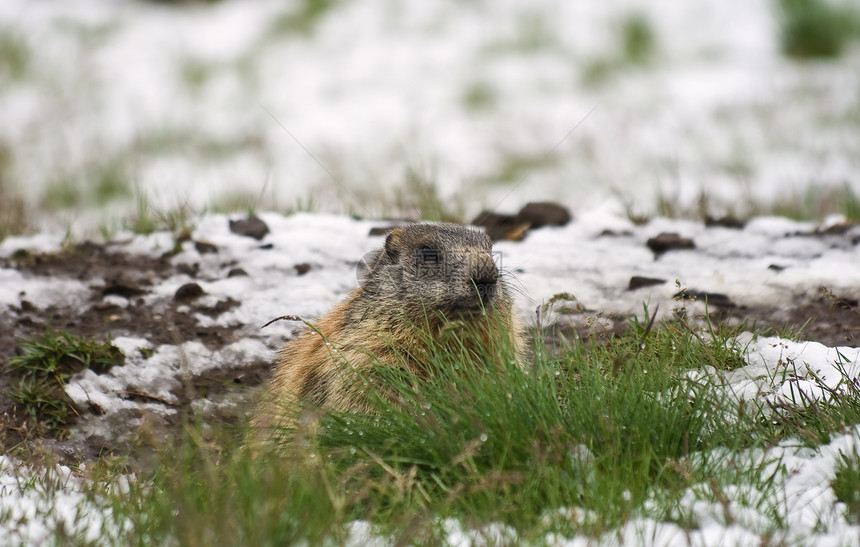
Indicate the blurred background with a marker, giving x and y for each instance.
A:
(139, 115)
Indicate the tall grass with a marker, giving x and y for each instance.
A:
(576, 443)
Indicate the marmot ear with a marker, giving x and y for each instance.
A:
(391, 243)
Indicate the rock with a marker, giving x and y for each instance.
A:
(237, 272)
(669, 241)
(500, 226)
(204, 247)
(613, 233)
(119, 288)
(250, 227)
(727, 221)
(302, 268)
(383, 230)
(836, 229)
(191, 270)
(538, 214)
(709, 298)
(380, 230)
(189, 291)
(637, 282)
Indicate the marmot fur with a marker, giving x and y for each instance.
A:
(425, 276)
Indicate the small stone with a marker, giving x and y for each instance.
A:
(613, 233)
(380, 230)
(669, 241)
(727, 221)
(384, 230)
(302, 268)
(776, 267)
(836, 229)
(126, 290)
(538, 214)
(237, 272)
(709, 298)
(500, 226)
(204, 247)
(638, 281)
(189, 291)
(191, 270)
(250, 227)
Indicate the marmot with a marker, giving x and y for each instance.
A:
(424, 277)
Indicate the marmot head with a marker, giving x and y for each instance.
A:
(429, 268)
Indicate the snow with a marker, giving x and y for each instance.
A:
(807, 503)
(376, 88)
(576, 258)
(37, 502)
(808, 371)
(373, 89)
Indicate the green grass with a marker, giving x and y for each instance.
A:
(15, 55)
(816, 202)
(479, 96)
(303, 20)
(13, 212)
(149, 219)
(609, 431)
(815, 29)
(813, 203)
(196, 72)
(638, 39)
(635, 47)
(42, 366)
(846, 484)
(419, 197)
(100, 182)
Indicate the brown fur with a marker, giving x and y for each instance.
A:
(426, 278)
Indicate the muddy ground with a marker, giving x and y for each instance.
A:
(828, 319)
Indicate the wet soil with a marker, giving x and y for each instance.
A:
(107, 271)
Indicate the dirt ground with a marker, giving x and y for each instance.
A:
(828, 319)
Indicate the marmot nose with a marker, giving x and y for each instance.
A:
(485, 277)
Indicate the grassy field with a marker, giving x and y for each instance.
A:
(589, 436)
(581, 440)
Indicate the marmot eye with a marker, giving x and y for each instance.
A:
(429, 256)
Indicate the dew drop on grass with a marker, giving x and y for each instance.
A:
(641, 347)
(557, 372)
(426, 406)
(483, 437)
(352, 450)
(312, 455)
